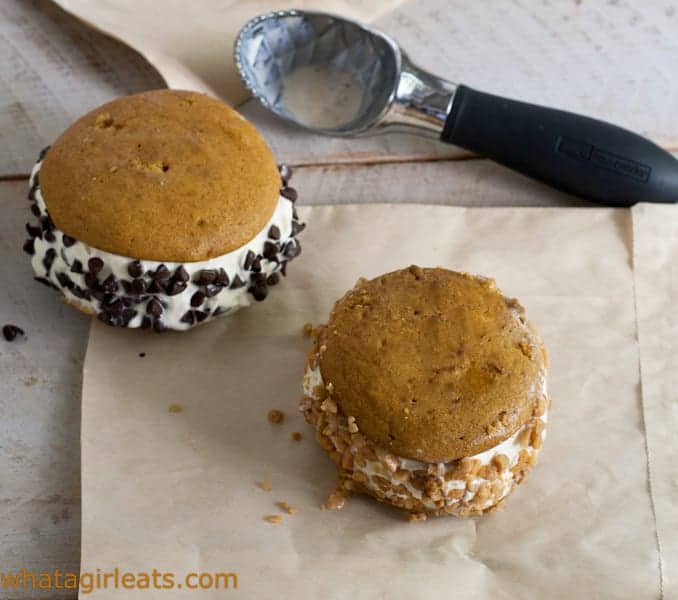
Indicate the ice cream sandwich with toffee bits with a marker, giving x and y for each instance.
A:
(161, 210)
(427, 388)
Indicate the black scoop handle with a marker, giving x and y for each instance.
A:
(579, 155)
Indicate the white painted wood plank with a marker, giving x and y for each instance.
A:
(53, 69)
(40, 381)
(456, 183)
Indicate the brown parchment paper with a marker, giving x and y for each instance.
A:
(176, 492)
(655, 233)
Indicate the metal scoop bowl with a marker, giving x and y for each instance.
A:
(339, 78)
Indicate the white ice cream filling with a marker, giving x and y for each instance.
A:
(180, 310)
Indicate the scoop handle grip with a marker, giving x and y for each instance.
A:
(592, 159)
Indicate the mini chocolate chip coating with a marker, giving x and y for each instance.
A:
(154, 308)
(135, 269)
(274, 232)
(290, 193)
(197, 299)
(95, 265)
(205, 277)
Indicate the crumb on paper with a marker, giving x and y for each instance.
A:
(142, 354)
(32, 380)
(288, 508)
(273, 519)
(265, 485)
(296, 436)
(308, 330)
(175, 408)
(335, 501)
(416, 517)
(276, 416)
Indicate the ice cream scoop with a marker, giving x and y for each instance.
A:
(337, 77)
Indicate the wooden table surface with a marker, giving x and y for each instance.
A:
(53, 69)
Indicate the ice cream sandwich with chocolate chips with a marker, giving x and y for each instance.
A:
(161, 210)
(427, 388)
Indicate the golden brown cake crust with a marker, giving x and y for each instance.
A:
(434, 365)
(164, 175)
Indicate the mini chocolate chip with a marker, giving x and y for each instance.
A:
(188, 317)
(197, 299)
(127, 301)
(159, 326)
(154, 307)
(292, 249)
(95, 264)
(35, 209)
(258, 279)
(91, 280)
(135, 269)
(200, 315)
(146, 322)
(290, 193)
(283, 269)
(10, 332)
(205, 276)
(142, 354)
(77, 292)
(110, 284)
(175, 287)
(259, 292)
(50, 237)
(138, 286)
(105, 318)
(237, 283)
(29, 246)
(33, 230)
(127, 315)
(46, 282)
(67, 240)
(43, 152)
(126, 286)
(160, 274)
(222, 278)
(274, 232)
(249, 259)
(46, 223)
(77, 266)
(153, 288)
(295, 214)
(256, 264)
(115, 308)
(62, 252)
(212, 290)
(270, 250)
(98, 295)
(64, 280)
(180, 274)
(31, 192)
(273, 279)
(285, 172)
(297, 228)
(47, 261)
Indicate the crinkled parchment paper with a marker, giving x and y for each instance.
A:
(177, 491)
